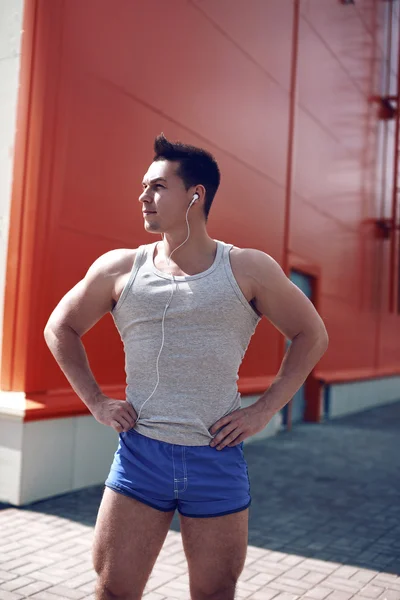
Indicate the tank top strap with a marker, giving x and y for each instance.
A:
(232, 280)
(148, 251)
(137, 263)
(225, 253)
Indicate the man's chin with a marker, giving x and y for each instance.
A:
(152, 227)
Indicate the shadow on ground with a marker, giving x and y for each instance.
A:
(329, 491)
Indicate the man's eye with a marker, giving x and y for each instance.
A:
(159, 185)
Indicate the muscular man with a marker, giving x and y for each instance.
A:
(186, 308)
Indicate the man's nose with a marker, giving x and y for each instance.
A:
(144, 197)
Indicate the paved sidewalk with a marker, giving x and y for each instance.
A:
(324, 524)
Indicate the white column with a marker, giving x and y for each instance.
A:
(10, 58)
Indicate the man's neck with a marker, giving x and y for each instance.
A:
(194, 251)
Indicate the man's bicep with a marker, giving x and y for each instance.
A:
(282, 302)
(86, 303)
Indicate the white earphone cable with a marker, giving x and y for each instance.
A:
(162, 324)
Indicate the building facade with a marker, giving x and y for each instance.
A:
(297, 100)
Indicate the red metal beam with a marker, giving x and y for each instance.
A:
(290, 159)
(394, 279)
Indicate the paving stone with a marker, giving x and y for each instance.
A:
(49, 578)
(320, 566)
(4, 595)
(172, 570)
(175, 559)
(261, 579)
(6, 576)
(266, 595)
(372, 591)
(287, 588)
(15, 583)
(157, 583)
(389, 594)
(296, 573)
(88, 587)
(363, 575)
(292, 560)
(282, 596)
(80, 580)
(9, 565)
(387, 578)
(32, 588)
(65, 592)
(345, 572)
(174, 593)
(248, 573)
(46, 596)
(336, 595)
(294, 583)
(343, 585)
(27, 568)
(315, 578)
(249, 586)
(9, 546)
(264, 565)
(59, 560)
(318, 593)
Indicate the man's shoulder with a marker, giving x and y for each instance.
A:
(252, 268)
(251, 259)
(115, 262)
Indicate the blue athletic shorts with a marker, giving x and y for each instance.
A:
(200, 481)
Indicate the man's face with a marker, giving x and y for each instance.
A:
(165, 195)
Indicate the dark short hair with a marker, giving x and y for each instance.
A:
(196, 166)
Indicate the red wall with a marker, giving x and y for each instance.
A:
(105, 79)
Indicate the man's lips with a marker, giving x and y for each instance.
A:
(149, 212)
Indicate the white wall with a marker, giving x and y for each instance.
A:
(10, 54)
(40, 459)
(356, 396)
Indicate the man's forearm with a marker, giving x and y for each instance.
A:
(68, 350)
(300, 359)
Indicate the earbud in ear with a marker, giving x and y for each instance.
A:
(195, 197)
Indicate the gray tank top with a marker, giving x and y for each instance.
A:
(207, 329)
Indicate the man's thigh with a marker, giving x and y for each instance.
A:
(127, 540)
(215, 549)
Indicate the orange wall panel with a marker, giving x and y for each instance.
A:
(108, 78)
